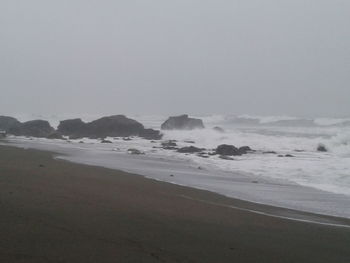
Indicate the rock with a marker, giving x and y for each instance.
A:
(114, 126)
(182, 122)
(224, 157)
(189, 141)
(218, 129)
(321, 148)
(231, 150)
(169, 144)
(106, 141)
(286, 155)
(6, 123)
(245, 150)
(74, 128)
(269, 152)
(135, 151)
(150, 134)
(169, 148)
(225, 149)
(55, 135)
(127, 139)
(35, 128)
(189, 149)
(110, 126)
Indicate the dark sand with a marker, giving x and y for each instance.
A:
(55, 211)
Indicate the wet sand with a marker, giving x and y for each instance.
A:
(56, 211)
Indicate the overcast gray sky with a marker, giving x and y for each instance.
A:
(180, 56)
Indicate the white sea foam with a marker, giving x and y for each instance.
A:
(329, 171)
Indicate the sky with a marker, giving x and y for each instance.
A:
(271, 57)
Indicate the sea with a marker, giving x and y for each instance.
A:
(308, 180)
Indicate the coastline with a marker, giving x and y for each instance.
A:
(247, 187)
(53, 210)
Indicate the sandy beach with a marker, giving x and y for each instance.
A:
(56, 211)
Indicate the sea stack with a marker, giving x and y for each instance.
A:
(182, 122)
(113, 126)
(35, 128)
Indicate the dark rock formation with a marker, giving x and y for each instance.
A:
(245, 150)
(106, 141)
(225, 149)
(321, 148)
(73, 128)
(150, 134)
(286, 155)
(7, 123)
(230, 150)
(190, 149)
(219, 129)
(225, 157)
(35, 128)
(182, 122)
(169, 144)
(111, 126)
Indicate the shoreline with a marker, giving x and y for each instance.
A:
(243, 205)
(54, 210)
(267, 192)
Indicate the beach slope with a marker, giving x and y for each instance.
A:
(56, 211)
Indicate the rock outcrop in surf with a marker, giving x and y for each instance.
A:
(231, 150)
(73, 128)
(110, 126)
(34, 128)
(322, 148)
(190, 149)
(182, 122)
(6, 123)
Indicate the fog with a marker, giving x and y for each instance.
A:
(269, 57)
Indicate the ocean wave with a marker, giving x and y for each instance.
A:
(283, 121)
